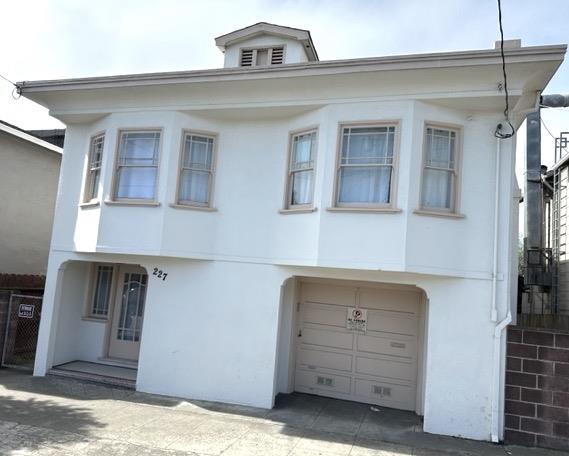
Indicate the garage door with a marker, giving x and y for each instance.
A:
(375, 364)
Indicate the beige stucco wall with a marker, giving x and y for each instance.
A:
(28, 186)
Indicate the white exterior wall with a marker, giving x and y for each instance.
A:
(28, 184)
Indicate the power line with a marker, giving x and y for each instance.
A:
(553, 136)
(15, 90)
(498, 133)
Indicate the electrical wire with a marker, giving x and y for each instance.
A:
(15, 90)
(498, 133)
(553, 136)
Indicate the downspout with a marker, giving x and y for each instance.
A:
(496, 359)
(494, 311)
(495, 432)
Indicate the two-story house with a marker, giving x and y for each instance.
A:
(343, 228)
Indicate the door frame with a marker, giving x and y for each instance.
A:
(115, 290)
(422, 317)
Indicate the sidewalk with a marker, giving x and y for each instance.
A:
(56, 416)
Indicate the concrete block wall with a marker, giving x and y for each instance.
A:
(537, 388)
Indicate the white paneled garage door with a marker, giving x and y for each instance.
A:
(378, 366)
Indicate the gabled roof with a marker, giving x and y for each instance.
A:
(264, 28)
(22, 134)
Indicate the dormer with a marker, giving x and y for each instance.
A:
(264, 44)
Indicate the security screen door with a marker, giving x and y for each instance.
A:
(126, 327)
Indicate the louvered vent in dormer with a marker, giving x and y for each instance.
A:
(277, 56)
(247, 57)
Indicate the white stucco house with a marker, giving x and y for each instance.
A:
(344, 228)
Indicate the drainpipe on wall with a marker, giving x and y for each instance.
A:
(496, 384)
(494, 311)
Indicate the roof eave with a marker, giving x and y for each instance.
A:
(32, 139)
(390, 63)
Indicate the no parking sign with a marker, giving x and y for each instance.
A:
(357, 319)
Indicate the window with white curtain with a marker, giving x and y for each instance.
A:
(94, 168)
(439, 182)
(102, 281)
(366, 166)
(196, 170)
(137, 165)
(300, 183)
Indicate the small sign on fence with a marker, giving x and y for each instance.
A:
(26, 310)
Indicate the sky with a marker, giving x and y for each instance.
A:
(52, 39)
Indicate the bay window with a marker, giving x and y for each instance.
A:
(440, 169)
(366, 166)
(136, 172)
(300, 182)
(94, 162)
(196, 170)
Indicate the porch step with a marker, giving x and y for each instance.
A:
(94, 378)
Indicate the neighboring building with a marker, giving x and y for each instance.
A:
(29, 173)
(288, 224)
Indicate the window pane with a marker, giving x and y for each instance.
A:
(136, 183)
(440, 148)
(368, 145)
(93, 190)
(437, 189)
(365, 185)
(194, 186)
(198, 152)
(302, 151)
(97, 152)
(301, 188)
(139, 148)
(102, 290)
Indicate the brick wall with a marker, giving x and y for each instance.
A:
(537, 388)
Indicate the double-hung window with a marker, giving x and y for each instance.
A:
(101, 287)
(137, 166)
(300, 184)
(93, 176)
(440, 169)
(196, 170)
(366, 166)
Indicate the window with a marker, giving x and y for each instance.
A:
(137, 165)
(261, 57)
(366, 166)
(300, 183)
(102, 281)
(196, 170)
(94, 168)
(439, 181)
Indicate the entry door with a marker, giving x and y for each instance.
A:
(126, 326)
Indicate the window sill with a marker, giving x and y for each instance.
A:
(89, 204)
(193, 208)
(385, 210)
(95, 319)
(300, 210)
(452, 215)
(132, 203)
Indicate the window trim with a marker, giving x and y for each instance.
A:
(85, 201)
(287, 207)
(91, 289)
(268, 47)
(454, 210)
(195, 205)
(113, 199)
(363, 207)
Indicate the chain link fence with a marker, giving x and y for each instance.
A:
(22, 328)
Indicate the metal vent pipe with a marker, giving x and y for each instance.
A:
(533, 198)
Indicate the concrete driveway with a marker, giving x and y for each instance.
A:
(56, 416)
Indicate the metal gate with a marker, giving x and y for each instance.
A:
(22, 328)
